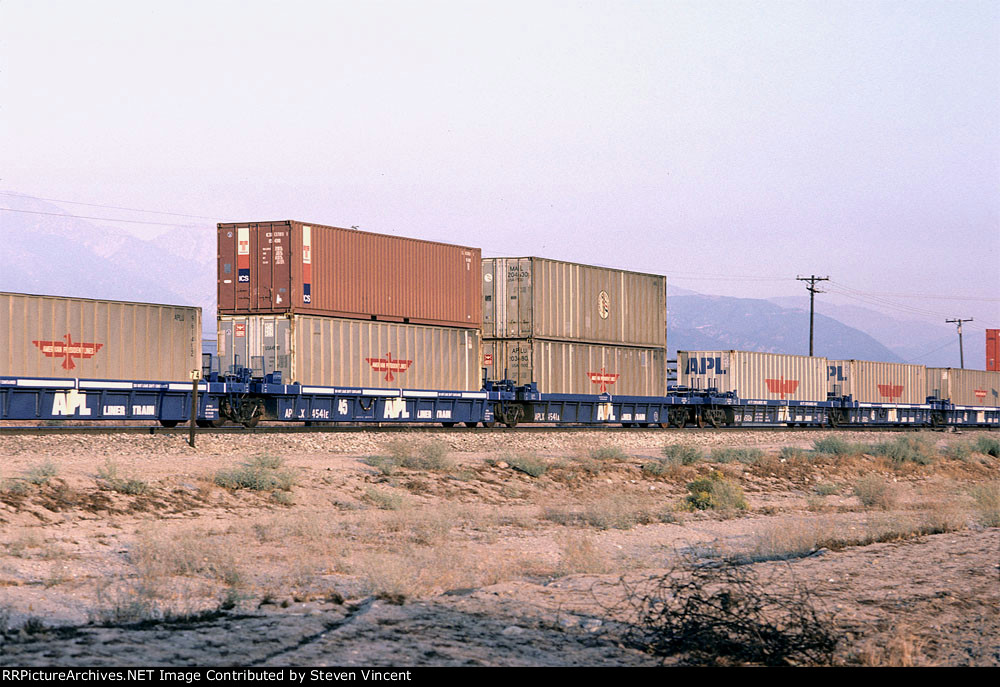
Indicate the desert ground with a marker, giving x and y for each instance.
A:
(502, 548)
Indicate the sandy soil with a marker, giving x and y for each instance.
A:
(127, 549)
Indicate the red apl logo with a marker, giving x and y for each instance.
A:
(980, 393)
(68, 350)
(890, 391)
(388, 365)
(603, 378)
(782, 386)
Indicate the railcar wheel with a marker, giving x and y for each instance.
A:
(252, 422)
(219, 422)
(490, 425)
(169, 423)
(471, 424)
(448, 424)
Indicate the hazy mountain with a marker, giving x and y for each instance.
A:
(722, 323)
(47, 254)
(916, 341)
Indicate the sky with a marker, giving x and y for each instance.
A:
(729, 145)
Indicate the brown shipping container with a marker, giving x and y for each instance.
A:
(755, 376)
(562, 367)
(291, 267)
(80, 338)
(330, 351)
(874, 382)
(993, 350)
(526, 298)
(964, 387)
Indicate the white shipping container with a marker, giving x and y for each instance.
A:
(526, 298)
(566, 367)
(964, 387)
(83, 338)
(868, 381)
(332, 351)
(755, 376)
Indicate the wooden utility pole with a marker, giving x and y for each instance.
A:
(961, 354)
(195, 377)
(811, 288)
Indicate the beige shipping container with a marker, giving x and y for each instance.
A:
(964, 387)
(331, 351)
(526, 298)
(563, 367)
(868, 381)
(82, 338)
(755, 376)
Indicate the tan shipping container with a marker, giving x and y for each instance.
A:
(82, 338)
(964, 387)
(868, 381)
(293, 267)
(526, 298)
(563, 367)
(755, 376)
(331, 351)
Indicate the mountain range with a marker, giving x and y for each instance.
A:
(45, 252)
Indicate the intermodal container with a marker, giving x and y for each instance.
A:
(964, 387)
(874, 382)
(294, 267)
(538, 298)
(332, 351)
(753, 375)
(563, 367)
(993, 350)
(53, 336)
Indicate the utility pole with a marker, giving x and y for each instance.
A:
(961, 354)
(811, 288)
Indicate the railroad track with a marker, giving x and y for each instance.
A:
(375, 427)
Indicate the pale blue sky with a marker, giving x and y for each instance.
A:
(746, 140)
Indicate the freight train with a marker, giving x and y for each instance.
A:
(323, 325)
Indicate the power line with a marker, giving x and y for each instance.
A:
(110, 219)
(99, 205)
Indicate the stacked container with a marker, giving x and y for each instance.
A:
(755, 376)
(964, 387)
(993, 350)
(875, 382)
(574, 328)
(82, 338)
(338, 307)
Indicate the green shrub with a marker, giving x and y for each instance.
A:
(959, 450)
(261, 473)
(742, 455)
(987, 499)
(41, 473)
(386, 500)
(791, 453)
(682, 453)
(826, 488)
(906, 449)
(123, 485)
(607, 453)
(715, 492)
(837, 446)
(528, 463)
(988, 445)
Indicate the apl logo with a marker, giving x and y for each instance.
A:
(782, 386)
(890, 391)
(980, 393)
(388, 365)
(603, 378)
(700, 366)
(68, 350)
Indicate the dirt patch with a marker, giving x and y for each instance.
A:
(509, 549)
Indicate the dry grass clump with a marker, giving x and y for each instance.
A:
(579, 554)
(260, 473)
(123, 484)
(607, 453)
(715, 492)
(874, 491)
(425, 571)
(385, 499)
(793, 454)
(429, 455)
(903, 650)
(792, 538)
(619, 511)
(988, 445)
(987, 503)
(529, 463)
(161, 554)
(837, 446)
(826, 488)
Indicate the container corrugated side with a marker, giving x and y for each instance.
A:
(54, 336)
(964, 387)
(755, 376)
(292, 267)
(565, 367)
(993, 350)
(330, 351)
(561, 301)
(868, 381)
